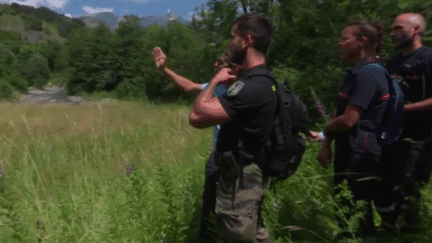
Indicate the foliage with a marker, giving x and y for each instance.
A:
(35, 16)
(129, 172)
(11, 40)
(89, 59)
(182, 44)
(18, 83)
(33, 24)
(304, 46)
(33, 67)
(7, 59)
(6, 89)
(55, 53)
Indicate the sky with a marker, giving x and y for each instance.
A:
(77, 8)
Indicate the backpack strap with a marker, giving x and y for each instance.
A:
(266, 73)
(276, 122)
(379, 66)
(386, 113)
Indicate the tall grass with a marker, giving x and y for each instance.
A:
(130, 172)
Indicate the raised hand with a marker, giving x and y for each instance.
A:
(225, 75)
(159, 57)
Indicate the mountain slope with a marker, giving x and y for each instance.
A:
(34, 24)
(113, 20)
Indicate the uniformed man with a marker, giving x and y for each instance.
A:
(413, 153)
(245, 114)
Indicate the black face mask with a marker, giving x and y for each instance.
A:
(238, 55)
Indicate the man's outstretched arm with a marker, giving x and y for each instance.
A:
(184, 83)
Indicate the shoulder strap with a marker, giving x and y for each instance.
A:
(377, 65)
(389, 82)
(389, 79)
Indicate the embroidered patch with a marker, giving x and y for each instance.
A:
(414, 77)
(235, 88)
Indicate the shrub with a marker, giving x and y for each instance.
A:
(6, 90)
(36, 70)
(17, 82)
(132, 88)
(7, 58)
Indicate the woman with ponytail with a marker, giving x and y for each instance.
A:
(360, 106)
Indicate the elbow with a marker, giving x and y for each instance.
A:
(350, 123)
(195, 121)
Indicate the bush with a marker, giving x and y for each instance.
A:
(6, 90)
(17, 82)
(33, 24)
(7, 58)
(36, 70)
(132, 88)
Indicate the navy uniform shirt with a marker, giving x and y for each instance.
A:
(415, 78)
(365, 86)
(250, 103)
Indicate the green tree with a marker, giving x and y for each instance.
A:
(6, 90)
(305, 39)
(54, 52)
(7, 59)
(130, 58)
(10, 81)
(184, 48)
(90, 59)
(213, 23)
(36, 70)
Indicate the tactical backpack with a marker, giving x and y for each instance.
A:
(284, 149)
(390, 128)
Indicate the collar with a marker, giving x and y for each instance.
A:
(363, 63)
(253, 71)
(412, 53)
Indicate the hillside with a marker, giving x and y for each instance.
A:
(34, 24)
(113, 20)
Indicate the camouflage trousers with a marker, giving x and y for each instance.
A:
(239, 196)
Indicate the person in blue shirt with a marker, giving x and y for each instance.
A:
(209, 194)
(360, 105)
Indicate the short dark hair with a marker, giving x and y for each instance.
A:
(256, 25)
(373, 31)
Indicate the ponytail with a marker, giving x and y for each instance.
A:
(374, 32)
(379, 41)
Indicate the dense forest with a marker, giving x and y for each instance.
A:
(38, 46)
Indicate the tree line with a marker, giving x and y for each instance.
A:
(304, 48)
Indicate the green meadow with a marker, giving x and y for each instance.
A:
(134, 172)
